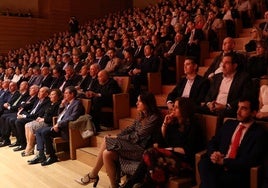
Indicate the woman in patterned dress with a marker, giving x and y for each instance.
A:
(126, 148)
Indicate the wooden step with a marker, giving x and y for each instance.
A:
(88, 156)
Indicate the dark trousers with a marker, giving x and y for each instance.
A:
(7, 123)
(44, 137)
(215, 176)
(20, 129)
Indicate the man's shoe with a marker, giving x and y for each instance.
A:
(19, 148)
(37, 159)
(49, 161)
(4, 143)
(14, 144)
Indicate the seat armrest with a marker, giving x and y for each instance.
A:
(255, 176)
(121, 107)
(197, 160)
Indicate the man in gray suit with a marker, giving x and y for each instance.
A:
(70, 109)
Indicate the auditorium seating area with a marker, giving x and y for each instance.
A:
(98, 32)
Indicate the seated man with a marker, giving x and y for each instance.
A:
(102, 95)
(228, 46)
(38, 110)
(191, 86)
(237, 146)
(227, 87)
(71, 108)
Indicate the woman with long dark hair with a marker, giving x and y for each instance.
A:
(127, 147)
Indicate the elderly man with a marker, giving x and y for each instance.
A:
(70, 110)
(102, 95)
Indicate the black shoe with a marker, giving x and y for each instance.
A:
(14, 144)
(19, 148)
(49, 161)
(37, 159)
(4, 143)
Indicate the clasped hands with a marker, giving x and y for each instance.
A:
(217, 158)
(215, 107)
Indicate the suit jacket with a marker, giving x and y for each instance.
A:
(197, 93)
(72, 113)
(242, 62)
(47, 81)
(83, 82)
(40, 111)
(150, 64)
(251, 149)
(20, 100)
(103, 61)
(107, 90)
(78, 66)
(240, 86)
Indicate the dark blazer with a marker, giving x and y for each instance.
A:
(103, 61)
(78, 66)
(197, 93)
(150, 64)
(40, 111)
(107, 90)
(73, 112)
(84, 82)
(47, 81)
(251, 149)
(50, 112)
(241, 86)
(14, 107)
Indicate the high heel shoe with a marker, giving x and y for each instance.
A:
(89, 179)
(25, 154)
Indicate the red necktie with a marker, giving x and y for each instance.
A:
(236, 142)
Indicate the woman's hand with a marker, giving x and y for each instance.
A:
(168, 118)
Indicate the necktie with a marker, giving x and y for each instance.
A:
(35, 108)
(172, 48)
(236, 142)
(16, 102)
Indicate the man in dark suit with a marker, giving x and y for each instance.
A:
(102, 96)
(191, 86)
(24, 117)
(70, 78)
(149, 63)
(70, 110)
(11, 111)
(227, 87)
(47, 77)
(237, 146)
(228, 46)
(194, 37)
(101, 58)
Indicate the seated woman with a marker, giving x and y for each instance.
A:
(263, 99)
(257, 65)
(255, 36)
(126, 149)
(182, 136)
(46, 120)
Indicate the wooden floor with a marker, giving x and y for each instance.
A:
(15, 172)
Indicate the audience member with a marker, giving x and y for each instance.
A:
(24, 117)
(102, 96)
(191, 86)
(182, 139)
(238, 145)
(41, 121)
(216, 66)
(257, 65)
(126, 149)
(255, 37)
(211, 30)
(71, 108)
(227, 87)
(114, 63)
(263, 100)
